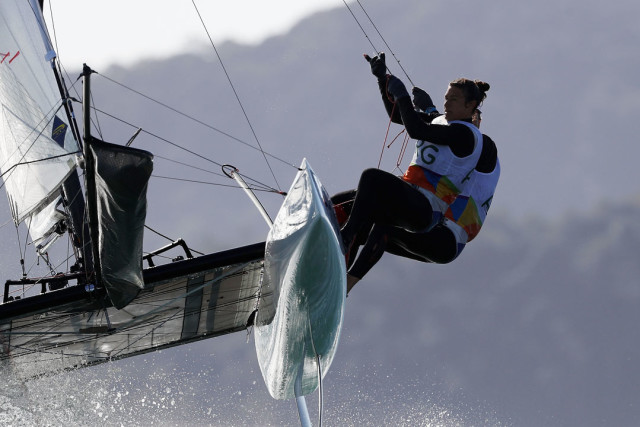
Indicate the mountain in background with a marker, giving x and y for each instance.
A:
(561, 106)
(535, 324)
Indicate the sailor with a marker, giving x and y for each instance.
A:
(464, 217)
(412, 216)
(470, 208)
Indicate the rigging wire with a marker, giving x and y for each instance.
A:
(235, 93)
(200, 122)
(72, 123)
(189, 165)
(386, 136)
(375, 49)
(7, 222)
(53, 27)
(169, 239)
(403, 150)
(44, 122)
(180, 147)
(195, 181)
(96, 119)
(366, 35)
(259, 148)
(23, 250)
(36, 161)
(258, 185)
(385, 42)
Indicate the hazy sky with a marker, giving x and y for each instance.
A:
(123, 31)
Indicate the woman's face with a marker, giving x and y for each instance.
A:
(455, 107)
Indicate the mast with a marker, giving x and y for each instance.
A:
(92, 220)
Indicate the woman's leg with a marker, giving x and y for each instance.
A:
(372, 251)
(385, 199)
(438, 245)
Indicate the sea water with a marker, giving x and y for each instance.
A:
(193, 386)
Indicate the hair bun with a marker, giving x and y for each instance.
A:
(483, 86)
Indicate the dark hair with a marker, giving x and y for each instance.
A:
(473, 90)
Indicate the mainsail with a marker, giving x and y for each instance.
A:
(36, 144)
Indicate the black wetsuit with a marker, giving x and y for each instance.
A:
(438, 245)
(387, 214)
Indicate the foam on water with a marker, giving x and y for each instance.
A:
(155, 390)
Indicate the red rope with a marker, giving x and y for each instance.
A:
(405, 143)
(396, 137)
(386, 136)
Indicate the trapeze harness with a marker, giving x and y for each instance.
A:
(468, 212)
(470, 209)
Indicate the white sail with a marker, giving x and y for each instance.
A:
(36, 143)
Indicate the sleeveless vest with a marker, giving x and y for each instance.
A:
(469, 210)
(439, 174)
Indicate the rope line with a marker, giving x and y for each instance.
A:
(180, 147)
(386, 136)
(195, 181)
(379, 34)
(235, 93)
(196, 120)
(385, 42)
(404, 145)
(360, 25)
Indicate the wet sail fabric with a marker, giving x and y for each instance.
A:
(118, 177)
(36, 145)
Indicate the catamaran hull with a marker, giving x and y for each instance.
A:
(302, 304)
(183, 302)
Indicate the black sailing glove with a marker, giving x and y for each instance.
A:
(422, 101)
(378, 66)
(396, 88)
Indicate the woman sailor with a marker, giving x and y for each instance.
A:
(443, 161)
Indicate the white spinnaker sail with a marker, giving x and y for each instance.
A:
(36, 143)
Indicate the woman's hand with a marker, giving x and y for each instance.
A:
(396, 88)
(378, 66)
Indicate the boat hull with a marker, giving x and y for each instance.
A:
(302, 304)
(183, 302)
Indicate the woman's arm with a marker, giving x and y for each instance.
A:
(457, 136)
(393, 113)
